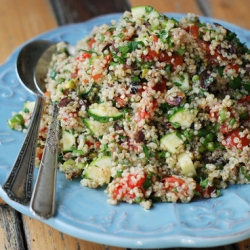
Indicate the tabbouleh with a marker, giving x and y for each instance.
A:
(153, 108)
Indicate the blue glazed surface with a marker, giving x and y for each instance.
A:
(85, 214)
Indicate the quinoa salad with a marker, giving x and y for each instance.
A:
(152, 108)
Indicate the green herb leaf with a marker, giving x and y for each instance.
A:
(149, 9)
(146, 151)
(204, 183)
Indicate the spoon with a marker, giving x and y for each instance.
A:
(18, 185)
(43, 198)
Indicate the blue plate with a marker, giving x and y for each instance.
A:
(85, 214)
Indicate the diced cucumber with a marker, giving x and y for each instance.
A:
(186, 164)
(102, 161)
(28, 107)
(68, 164)
(99, 170)
(104, 113)
(95, 127)
(183, 117)
(16, 121)
(147, 12)
(84, 90)
(181, 81)
(171, 142)
(68, 140)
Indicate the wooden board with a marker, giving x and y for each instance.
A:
(22, 20)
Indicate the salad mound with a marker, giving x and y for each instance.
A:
(155, 109)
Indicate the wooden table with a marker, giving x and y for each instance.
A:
(22, 20)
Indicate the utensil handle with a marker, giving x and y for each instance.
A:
(18, 185)
(43, 198)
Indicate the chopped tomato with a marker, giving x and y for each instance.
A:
(231, 66)
(91, 42)
(97, 144)
(121, 101)
(143, 113)
(224, 129)
(233, 139)
(39, 153)
(119, 191)
(205, 46)
(97, 76)
(75, 74)
(172, 180)
(125, 186)
(175, 59)
(133, 180)
(152, 54)
(83, 56)
(89, 143)
(155, 38)
(108, 59)
(43, 129)
(161, 86)
(193, 30)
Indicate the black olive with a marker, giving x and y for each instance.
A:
(206, 79)
(134, 87)
(139, 136)
(106, 46)
(64, 102)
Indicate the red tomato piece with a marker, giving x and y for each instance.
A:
(133, 181)
(233, 139)
(161, 86)
(155, 38)
(144, 114)
(152, 54)
(193, 30)
(203, 45)
(120, 101)
(108, 59)
(175, 59)
(224, 129)
(91, 42)
(83, 56)
(128, 183)
(89, 143)
(172, 180)
(231, 66)
(97, 76)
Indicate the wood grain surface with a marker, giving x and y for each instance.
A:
(22, 20)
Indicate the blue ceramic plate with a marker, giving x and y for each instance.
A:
(85, 214)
